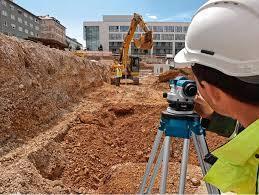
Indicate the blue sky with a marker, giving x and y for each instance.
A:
(72, 13)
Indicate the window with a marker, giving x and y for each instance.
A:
(26, 23)
(113, 28)
(4, 13)
(4, 2)
(32, 33)
(19, 20)
(115, 36)
(13, 26)
(20, 29)
(36, 20)
(124, 28)
(5, 23)
(12, 7)
(150, 28)
(31, 25)
(139, 29)
(185, 29)
(26, 31)
(37, 28)
(179, 46)
(19, 11)
(92, 36)
(12, 17)
(137, 36)
(167, 37)
(180, 37)
(156, 36)
(158, 28)
(178, 29)
(169, 28)
(37, 35)
(25, 15)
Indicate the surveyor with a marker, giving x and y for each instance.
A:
(222, 47)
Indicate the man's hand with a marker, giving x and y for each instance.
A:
(202, 107)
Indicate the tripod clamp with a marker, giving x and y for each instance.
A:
(180, 125)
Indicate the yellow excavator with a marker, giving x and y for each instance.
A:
(130, 65)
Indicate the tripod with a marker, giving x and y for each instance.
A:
(184, 125)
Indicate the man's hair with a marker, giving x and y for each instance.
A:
(240, 90)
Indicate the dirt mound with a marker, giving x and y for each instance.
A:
(37, 85)
(171, 74)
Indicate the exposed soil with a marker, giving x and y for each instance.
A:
(122, 131)
(97, 141)
(37, 86)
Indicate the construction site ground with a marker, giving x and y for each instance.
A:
(100, 147)
(100, 143)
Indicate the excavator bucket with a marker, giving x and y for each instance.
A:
(145, 41)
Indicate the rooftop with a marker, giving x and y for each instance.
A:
(127, 18)
(47, 17)
(13, 3)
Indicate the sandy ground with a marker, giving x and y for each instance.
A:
(64, 130)
(102, 146)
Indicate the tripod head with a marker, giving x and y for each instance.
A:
(181, 96)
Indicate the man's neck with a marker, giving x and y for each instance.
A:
(246, 114)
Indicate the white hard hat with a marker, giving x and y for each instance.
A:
(224, 35)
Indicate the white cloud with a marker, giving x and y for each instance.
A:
(153, 17)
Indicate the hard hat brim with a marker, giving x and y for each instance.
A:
(181, 59)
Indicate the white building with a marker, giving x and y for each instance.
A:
(169, 37)
(73, 44)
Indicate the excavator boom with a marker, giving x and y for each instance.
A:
(130, 65)
(144, 42)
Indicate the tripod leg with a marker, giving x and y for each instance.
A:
(151, 160)
(200, 154)
(202, 149)
(166, 155)
(184, 163)
(156, 169)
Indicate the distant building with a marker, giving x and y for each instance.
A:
(169, 37)
(52, 29)
(73, 44)
(17, 21)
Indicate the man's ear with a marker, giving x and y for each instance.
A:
(214, 93)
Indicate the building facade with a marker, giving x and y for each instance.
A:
(73, 44)
(169, 37)
(52, 29)
(17, 21)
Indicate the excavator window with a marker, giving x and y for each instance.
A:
(135, 64)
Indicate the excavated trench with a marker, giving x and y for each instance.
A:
(110, 143)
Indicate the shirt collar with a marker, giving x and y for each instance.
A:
(239, 150)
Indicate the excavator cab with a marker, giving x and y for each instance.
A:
(134, 68)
